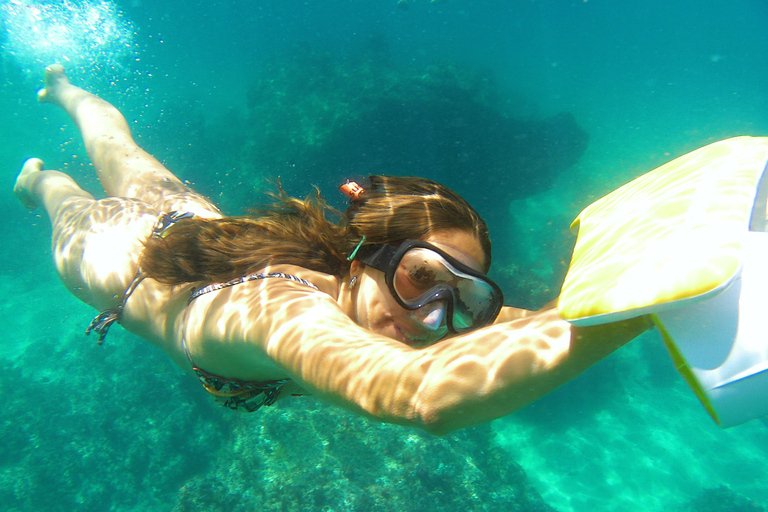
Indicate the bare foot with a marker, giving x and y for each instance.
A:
(55, 81)
(25, 181)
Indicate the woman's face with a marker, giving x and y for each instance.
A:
(377, 310)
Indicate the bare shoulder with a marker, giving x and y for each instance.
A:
(227, 329)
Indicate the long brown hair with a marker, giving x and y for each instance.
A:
(298, 232)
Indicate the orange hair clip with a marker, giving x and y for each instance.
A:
(352, 190)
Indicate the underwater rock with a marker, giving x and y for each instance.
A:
(316, 120)
(87, 440)
(304, 455)
(722, 499)
(468, 147)
(134, 433)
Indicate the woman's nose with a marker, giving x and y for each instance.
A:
(431, 315)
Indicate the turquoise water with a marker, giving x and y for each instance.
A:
(118, 427)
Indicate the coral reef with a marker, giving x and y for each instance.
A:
(308, 456)
(125, 430)
(88, 439)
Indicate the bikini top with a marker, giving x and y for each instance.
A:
(239, 395)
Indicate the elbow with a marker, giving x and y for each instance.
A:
(435, 426)
(439, 429)
(448, 412)
(440, 420)
(441, 407)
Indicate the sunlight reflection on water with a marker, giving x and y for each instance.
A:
(77, 33)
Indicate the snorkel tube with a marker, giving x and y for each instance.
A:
(687, 245)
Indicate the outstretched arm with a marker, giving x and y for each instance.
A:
(519, 362)
(459, 382)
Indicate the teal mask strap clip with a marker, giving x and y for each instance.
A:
(357, 248)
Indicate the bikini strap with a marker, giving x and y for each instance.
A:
(250, 277)
(218, 286)
(104, 320)
(166, 220)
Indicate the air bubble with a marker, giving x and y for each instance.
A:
(81, 33)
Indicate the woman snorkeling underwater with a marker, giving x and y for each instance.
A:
(388, 314)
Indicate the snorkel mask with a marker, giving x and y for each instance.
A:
(444, 294)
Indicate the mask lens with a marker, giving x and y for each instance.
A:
(419, 271)
(474, 300)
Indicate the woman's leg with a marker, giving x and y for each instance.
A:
(96, 244)
(124, 169)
